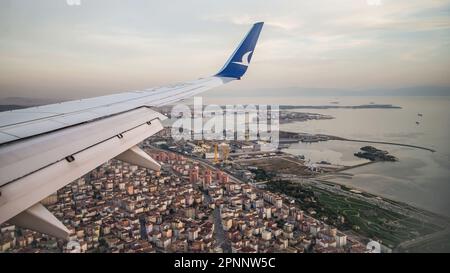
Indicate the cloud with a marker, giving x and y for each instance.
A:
(286, 24)
(137, 43)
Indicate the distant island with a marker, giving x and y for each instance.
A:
(288, 117)
(374, 154)
(364, 106)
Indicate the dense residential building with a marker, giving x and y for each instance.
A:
(122, 208)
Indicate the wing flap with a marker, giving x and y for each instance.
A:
(136, 156)
(31, 189)
(24, 157)
(38, 218)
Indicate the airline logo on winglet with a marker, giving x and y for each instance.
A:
(238, 63)
(245, 61)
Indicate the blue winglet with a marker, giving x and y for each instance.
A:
(239, 61)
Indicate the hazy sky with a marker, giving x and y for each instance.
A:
(49, 49)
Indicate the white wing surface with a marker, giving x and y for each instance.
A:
(44, 148)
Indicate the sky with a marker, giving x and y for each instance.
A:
(51, 49)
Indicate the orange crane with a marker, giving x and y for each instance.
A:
(216, 153)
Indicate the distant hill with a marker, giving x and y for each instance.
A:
(12, 103)
(416, 91)
(25, 102)
(4, 108)
(331, 92)
(337, 92)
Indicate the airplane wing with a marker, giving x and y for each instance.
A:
(42, 149)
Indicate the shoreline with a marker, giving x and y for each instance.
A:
(399, 207)
(404, 204)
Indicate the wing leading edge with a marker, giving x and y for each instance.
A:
(36, 160)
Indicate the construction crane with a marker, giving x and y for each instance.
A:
(225, 152)
(216, 153)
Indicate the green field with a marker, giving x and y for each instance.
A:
(374, 222)
(366, 219)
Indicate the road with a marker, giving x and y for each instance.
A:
(142, 223)
(219, 232)
(220, 236)
(285, 157)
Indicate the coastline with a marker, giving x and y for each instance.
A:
(373, 195)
